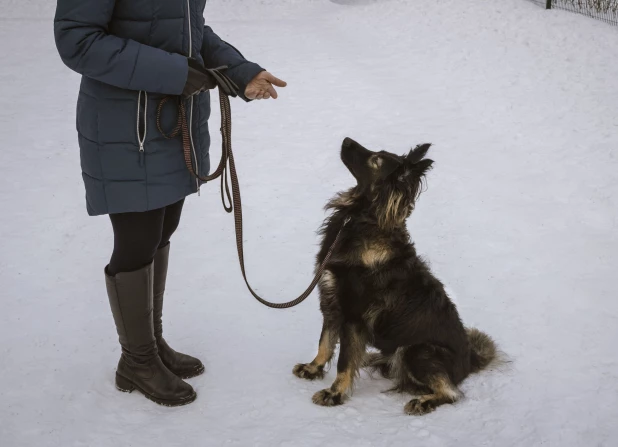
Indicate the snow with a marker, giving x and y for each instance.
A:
(519, 220)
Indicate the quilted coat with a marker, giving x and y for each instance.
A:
(131, 54)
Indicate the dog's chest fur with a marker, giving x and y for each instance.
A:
(366, 274)
(376, 280)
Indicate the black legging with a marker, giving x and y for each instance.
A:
(138, 236)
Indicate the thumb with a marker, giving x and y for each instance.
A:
(275, 81)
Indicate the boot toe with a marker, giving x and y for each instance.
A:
(187, 392)
(155, 382)
(189, 367)
(178, 393)
(183, 365)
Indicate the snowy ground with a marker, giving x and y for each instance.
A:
(519, 220)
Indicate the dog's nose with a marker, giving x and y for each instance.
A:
(347, 142)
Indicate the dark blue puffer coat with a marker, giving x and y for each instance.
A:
(131, 54)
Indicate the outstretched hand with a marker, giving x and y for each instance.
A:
(261, 87)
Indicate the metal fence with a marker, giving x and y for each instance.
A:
(605, 10)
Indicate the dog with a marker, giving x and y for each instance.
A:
(376, 291)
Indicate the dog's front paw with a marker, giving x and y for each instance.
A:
(308, 371)
(418, 407)
(327, 398)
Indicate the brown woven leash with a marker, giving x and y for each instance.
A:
(227, 164)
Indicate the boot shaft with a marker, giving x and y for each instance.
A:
(131, 301)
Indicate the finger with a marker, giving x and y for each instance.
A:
(260, 96)
(276, 81)
(267, 95)
(272, 92)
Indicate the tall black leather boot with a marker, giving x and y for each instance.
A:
(140, 367)
(184, 366)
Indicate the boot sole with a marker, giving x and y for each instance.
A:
(126, 386)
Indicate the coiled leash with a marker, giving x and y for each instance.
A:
(226, 165)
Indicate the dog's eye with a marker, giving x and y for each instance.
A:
(404, 177)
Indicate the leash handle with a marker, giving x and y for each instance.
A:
(182, 127)
(227, 165)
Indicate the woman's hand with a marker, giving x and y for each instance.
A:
(261, 87)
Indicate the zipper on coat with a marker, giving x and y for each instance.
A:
(197, 165)
(141, 139)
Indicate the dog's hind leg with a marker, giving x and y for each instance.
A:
(428, 367)
(326, 349)
(353, 343)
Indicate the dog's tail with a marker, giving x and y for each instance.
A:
(483, 350)
(377, 363)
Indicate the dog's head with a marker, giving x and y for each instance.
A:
(390, 182)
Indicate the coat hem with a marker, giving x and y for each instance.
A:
(92, 212)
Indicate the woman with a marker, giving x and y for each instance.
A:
(131, 55)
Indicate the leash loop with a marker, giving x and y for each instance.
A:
(227, 171)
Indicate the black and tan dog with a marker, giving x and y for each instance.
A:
(377, 291)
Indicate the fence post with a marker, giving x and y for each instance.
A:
(548, 4)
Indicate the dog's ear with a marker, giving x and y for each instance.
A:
(418, 153)
(417, 170)
(423, 166)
